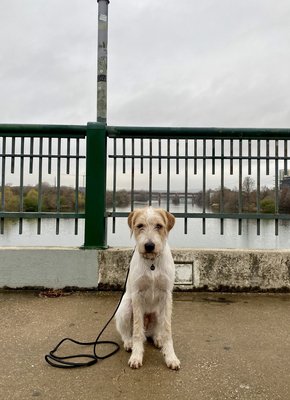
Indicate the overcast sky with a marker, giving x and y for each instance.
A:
(171, 63)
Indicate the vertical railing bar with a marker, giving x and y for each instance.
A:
(276, 184)
(258, 183)
(3, 173)
(76, 230)
(142, 153)
(124, 153)
(77, 184)
(240, 186)
(267, 157)
(249, 157)
(159, 154)
(13, 158)
(21, 184)
(231, 157)
(132, 174)
(239, 226)
(195, 156)
(150, 172)
(49, 154)
(68, 158)
(3, 182)
(222, 185)
(58, 182)
(213, 157)
(39, 200)
(114, 183)
(204, 185)
(276, 227)
(31, 154)
(177, 156)
(285, 157)
(186, 185)
(168, 176)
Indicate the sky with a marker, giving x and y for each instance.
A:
(170, 63)
(184, 63)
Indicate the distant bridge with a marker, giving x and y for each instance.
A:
(174, 197)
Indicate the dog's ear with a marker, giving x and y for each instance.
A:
(130, 219)
(132, 216)
(170, 220)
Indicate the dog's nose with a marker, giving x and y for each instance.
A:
(149, 247)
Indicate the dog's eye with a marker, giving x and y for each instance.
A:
(140, 226)
(158, 226)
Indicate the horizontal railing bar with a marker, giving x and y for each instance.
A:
(181, 157)
(197, 133)
(49, 131)
(213, 215)
(7, 155)
(32, 215)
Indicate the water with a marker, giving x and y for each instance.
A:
(212, 239)
(194, 238)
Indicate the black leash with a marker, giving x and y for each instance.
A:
(62, 361)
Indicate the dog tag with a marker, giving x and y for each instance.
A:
(152, 267)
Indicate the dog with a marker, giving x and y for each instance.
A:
(146, 307)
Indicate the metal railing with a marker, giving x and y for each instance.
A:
(211, 173)
(31, 155)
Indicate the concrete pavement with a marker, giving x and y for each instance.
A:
(231, 346)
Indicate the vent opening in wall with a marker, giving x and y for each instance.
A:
(184, 274)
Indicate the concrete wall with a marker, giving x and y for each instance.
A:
(196, 269)
(48, 268)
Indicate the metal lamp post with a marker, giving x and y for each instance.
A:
(102, 60)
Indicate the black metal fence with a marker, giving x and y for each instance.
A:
(31, 156)
(209, 173)
(228, 173)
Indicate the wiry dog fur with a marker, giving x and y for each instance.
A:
(146, 307)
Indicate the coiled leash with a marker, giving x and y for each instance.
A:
(62, 361)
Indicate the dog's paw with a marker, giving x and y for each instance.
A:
(157, 342)
(172, 363)
(128, 345)
(135, 362)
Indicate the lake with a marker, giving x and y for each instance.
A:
(177, 238)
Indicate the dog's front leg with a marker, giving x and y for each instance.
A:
(167, 347)
(136, 358)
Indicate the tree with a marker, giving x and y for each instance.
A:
(267, 205)
(11, 198)
(248, 188)
(284, 204)
(248, 184)
(30, 201)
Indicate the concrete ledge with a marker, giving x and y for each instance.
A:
(48, 267)
(196, 269)
(214, 270)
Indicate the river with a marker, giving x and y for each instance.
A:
(193, 239)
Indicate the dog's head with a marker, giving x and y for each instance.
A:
(150, 227)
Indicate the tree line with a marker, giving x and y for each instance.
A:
(64, 198)
(232, 200)
(48, 200)
(52, 199)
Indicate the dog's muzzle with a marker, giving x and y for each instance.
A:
(149, 250)
(149, 247)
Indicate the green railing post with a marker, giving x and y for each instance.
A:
(96, 159)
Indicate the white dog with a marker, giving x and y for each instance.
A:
(145, 310)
